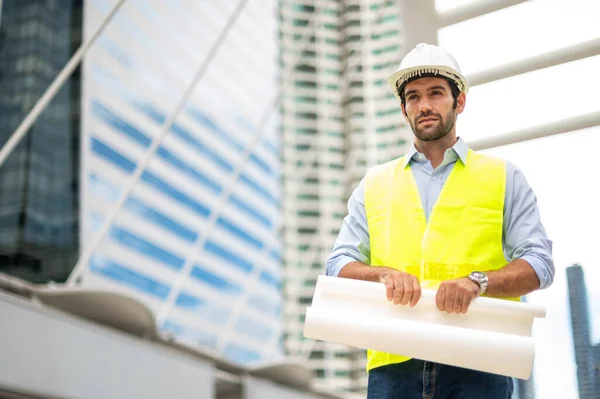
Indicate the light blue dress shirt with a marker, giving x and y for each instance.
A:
(524, 236)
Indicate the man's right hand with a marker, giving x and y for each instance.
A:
(401, 287)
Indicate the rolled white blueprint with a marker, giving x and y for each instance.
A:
(494, 336)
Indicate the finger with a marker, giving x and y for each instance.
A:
(389, 290)
(389, 287)
(440, 297)
(458, 301)
(449, 301)
(465, 305)
(408, 290)
(416, 291)
(398, 290)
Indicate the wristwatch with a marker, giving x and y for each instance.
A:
(481, 279)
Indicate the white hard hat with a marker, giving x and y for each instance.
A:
(427, 58)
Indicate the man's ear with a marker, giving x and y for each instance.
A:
(403, 111)
(461, 102)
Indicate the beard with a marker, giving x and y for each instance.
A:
(436, 129)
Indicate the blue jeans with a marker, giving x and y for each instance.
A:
(417, 379)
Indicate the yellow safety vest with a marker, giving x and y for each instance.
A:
(463, 234)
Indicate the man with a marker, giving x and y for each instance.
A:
(442, 217)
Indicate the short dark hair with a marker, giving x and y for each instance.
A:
(453, 86)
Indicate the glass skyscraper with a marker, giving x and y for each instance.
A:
(339, 118)
(580, 323)
(597, 366)
(59, 185)
(39, 183)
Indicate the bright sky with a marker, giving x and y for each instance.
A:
(558, 168)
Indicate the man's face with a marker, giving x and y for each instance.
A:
(429, 107)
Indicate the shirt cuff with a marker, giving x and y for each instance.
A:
(541, 269)
(335, 265)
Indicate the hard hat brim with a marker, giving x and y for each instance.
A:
(408, 73)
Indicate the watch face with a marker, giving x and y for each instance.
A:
(478, 275)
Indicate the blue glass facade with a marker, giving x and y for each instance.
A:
(132, 80)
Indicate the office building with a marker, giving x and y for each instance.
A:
(580, 323)
(597, 366)
(68, 173)
(39, 183)
(338, 119)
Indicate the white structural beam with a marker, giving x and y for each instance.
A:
(561, 56)
(109, 308)
(51, 353)
(290, 372)
(475, 9)
(540, 131)
(48, 353)
(420, 22)
(256, 388)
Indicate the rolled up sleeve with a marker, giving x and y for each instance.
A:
(524, 235)
(352, 243)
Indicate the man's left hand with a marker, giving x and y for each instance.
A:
(455, 296)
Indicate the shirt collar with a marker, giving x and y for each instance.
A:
(459, 148)
(410, 155)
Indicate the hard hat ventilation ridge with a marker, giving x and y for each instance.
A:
(418, 72)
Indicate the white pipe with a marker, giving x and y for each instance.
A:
(54, 87)
(572, 53)
(156, 142)
(537, 132)
(475, 9)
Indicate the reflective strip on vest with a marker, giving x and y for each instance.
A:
(464, 232)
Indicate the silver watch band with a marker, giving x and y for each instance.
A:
(480, 279)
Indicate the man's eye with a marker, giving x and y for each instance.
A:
(436, 92)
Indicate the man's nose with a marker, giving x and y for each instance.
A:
(425, 106)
